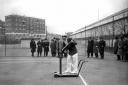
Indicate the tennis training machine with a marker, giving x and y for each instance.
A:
(60, 74)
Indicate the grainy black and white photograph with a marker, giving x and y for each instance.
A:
(63, 42)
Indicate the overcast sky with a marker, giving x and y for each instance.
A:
(63, 15)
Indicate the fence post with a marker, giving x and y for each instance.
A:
(85, 40)
(113, 30)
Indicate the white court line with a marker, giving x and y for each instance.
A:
(83, 80)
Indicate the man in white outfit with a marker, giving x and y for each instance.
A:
(72, 58)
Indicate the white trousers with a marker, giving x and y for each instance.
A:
(72, 63)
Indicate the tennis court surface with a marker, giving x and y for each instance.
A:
(29, 70)
(33, 71)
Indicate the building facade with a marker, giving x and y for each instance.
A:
(2, 27)
(108, 28)
(24, 27)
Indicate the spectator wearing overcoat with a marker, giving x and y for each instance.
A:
(33, 46)
(90, 47)
(39, 48)
(60, 46)
(116, 47)
(53, 47)
(95, 47)
(120, 47)
(125, 47)
(101, 47)
(46, 47)
(64, 44)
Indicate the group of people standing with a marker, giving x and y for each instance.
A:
(95, 46)
(40, 46)
(121, 47)
(55, 45)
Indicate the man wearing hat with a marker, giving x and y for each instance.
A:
(102, 45)
(33, 46)
(72, 58)
(125, 47)
(64, 44)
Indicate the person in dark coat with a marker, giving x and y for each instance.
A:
(116, 47)
(60, 45)
(125, 48)
(90, 47)
(101, 46)
(53, 47)
(57, 46)
(39, 48)
(32, 46)
(95, 47)
(64, 44)
(120, 47)
(46, 47)
(42, 44)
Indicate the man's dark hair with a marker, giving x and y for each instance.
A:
(69, 39)
(32, 39)
(116, 37)
(64, 36)
(126, 35)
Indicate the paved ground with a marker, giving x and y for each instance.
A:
(37, 71)
(19, 68)
(106, 72)
(32, 71)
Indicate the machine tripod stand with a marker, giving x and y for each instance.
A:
(60, 74)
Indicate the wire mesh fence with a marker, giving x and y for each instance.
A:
(13, 47)
(82, 47)
(22, 48)
(13, 50)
